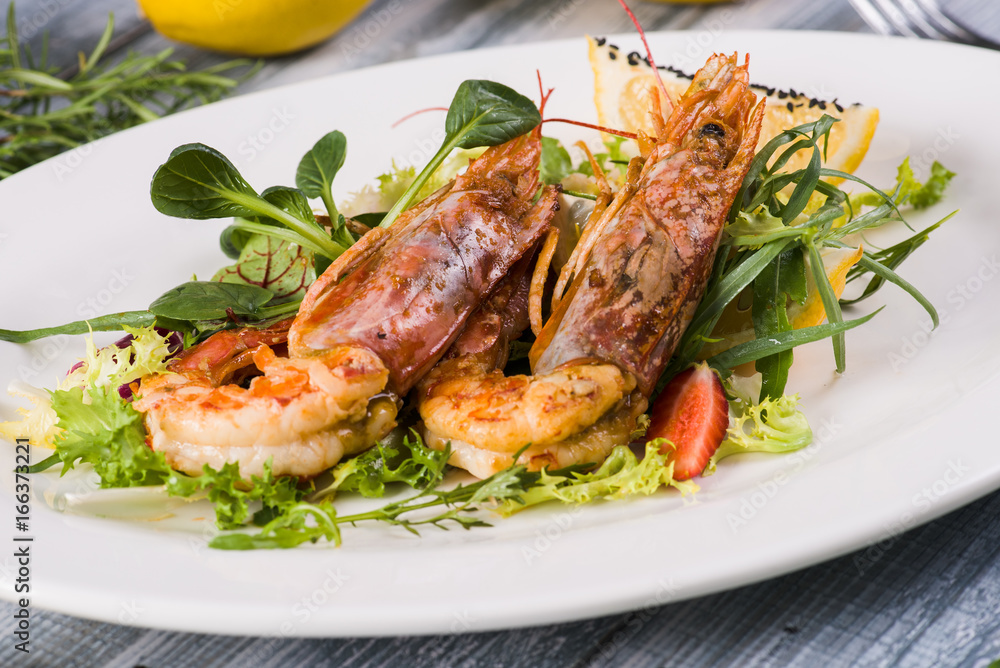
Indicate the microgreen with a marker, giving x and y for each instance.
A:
(482, 113)
(198, 182)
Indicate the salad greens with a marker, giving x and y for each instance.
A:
(198, 182)
(482, 113)
(314, 176)
(774, 426)
(776, 230)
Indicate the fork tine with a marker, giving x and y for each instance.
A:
(873, 17)
(897, 18)
(918, 16)
(945, 25)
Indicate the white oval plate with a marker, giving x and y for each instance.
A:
(903, 436)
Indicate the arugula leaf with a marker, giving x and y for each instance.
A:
(889, 258)
(305, 522)
(758, 348)
(783, 279)
(297, 524)
(482, 113)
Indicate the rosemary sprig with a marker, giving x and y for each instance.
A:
(42, 115)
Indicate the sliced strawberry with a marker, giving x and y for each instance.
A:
(692, 413)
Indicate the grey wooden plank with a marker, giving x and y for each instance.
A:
(927, 598)
(73, 25)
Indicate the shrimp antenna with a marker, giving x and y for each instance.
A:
(610, 131)
(649, 52)
(417, 113)
(542, 92)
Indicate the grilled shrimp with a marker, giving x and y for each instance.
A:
(375, 322)
(622, 300)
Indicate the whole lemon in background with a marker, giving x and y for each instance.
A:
(250, 27)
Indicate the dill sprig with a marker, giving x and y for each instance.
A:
(42, 115)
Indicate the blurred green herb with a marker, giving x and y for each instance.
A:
(43, 115)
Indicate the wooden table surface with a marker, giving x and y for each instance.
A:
(928, 597)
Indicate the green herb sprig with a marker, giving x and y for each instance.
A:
(482, 113)
(42, 115)
(775, 236)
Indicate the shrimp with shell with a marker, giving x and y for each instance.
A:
(368, 329)
(621, 302)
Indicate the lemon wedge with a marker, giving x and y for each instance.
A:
(250, 27)
(624, 84)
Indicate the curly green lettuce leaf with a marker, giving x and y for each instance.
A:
(110, 366)
(933, 189)
(774, 425)
(395, 182)
(37, 423)
(106, 432)
(401, 459)
(232, 496)
(146, 353)
(296, 524)
(621, 475)
(910, 190)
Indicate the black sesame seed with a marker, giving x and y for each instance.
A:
(791, 107)
(601, 41)
(612, 55)
(633, 58)
(782, 95)
(381, 335)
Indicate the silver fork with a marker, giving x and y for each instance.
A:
(914, 18)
